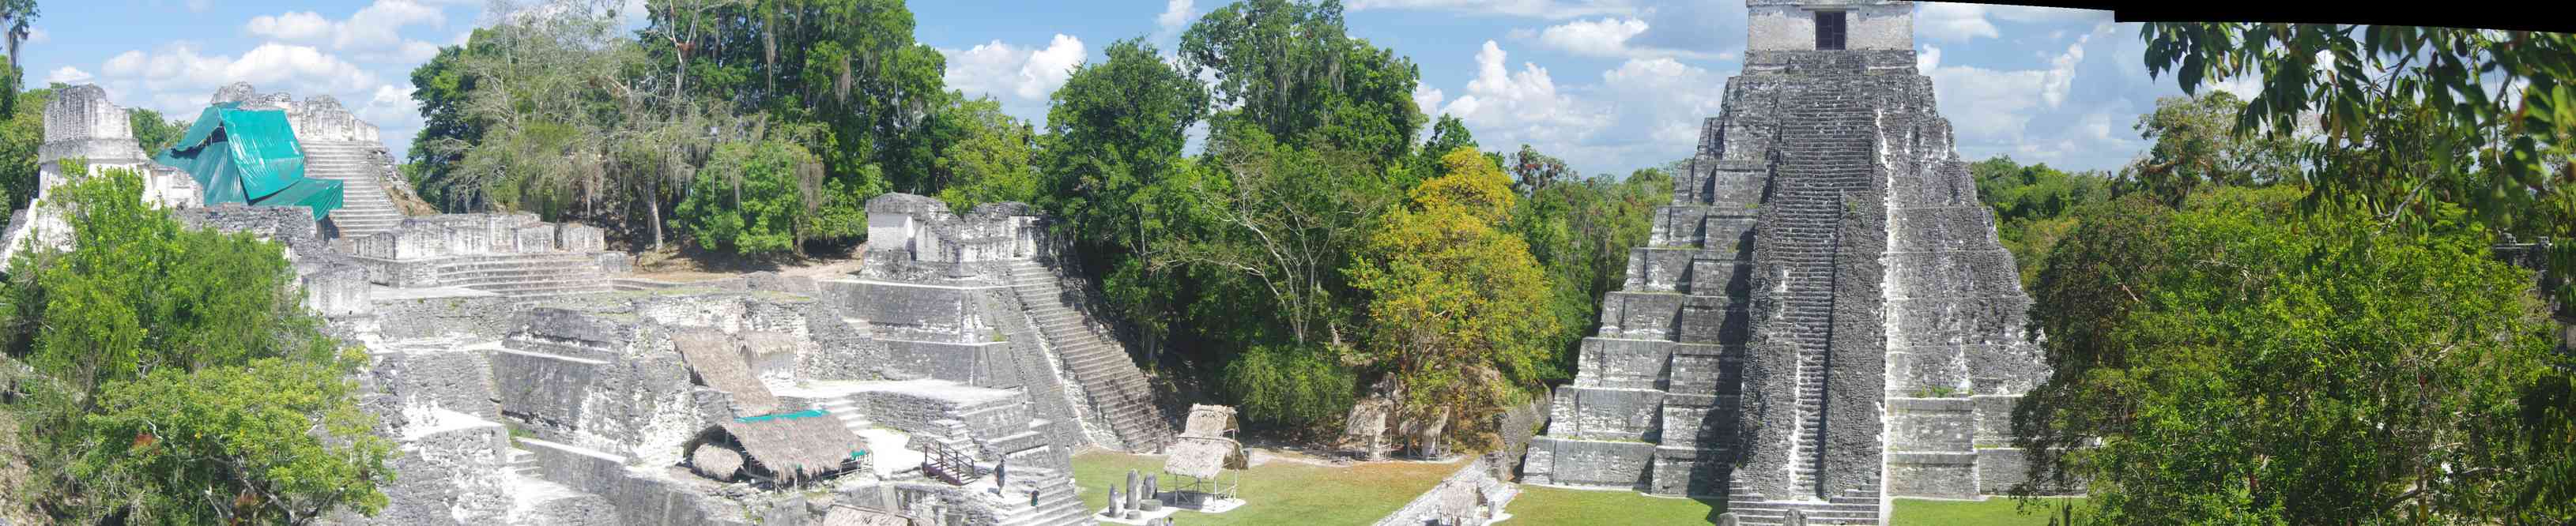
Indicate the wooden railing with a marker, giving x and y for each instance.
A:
(947, 464)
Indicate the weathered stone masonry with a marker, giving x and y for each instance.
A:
(1824, 317)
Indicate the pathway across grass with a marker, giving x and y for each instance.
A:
(1280, 491)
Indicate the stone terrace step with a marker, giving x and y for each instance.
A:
(352, 164)
(1111, 381)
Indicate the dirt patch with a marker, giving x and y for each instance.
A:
(688, 266)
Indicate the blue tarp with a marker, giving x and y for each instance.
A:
(250, 157)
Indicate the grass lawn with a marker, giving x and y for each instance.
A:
(1543, 505)
(1994, 510)
(1280, 492)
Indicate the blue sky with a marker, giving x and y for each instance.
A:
(1608, 85)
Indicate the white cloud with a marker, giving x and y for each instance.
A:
(179, 72)
(1507, 107)
(1996, 106)
(377, 26)
(1661, 103)
(1428, 98)
(1552, 9)
(199, 6)
(1606, 37)
(409, 52)
(1953, 22)
(1177, 15)
(389, 106)
(1007, 71)
(67, 75)
(1962, 22)
(379, 23)
(292, 26)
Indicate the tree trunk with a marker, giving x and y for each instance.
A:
(653, 207)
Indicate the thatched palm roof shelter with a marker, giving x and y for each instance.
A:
(785, 448)
(1209, 421)
(1205, 449)
(716, 359)
(1203, 457)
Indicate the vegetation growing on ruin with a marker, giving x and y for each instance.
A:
(179, 380)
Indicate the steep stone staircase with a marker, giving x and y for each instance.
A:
(534, 275)
(1854, 506)
(847, 411)
(1119, 397)
(519, 463)
(1824, 150)
(1058, 501)
(1825, 147)
(365, 209)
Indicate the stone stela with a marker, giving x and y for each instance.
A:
(1823, 318)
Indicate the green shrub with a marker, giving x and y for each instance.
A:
(752, 197)
(1290, 388)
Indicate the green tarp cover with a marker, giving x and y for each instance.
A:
(250, 157)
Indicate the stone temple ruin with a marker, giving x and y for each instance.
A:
(1823, 318)
(527, 381)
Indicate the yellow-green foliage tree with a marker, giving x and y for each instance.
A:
(1457, 306)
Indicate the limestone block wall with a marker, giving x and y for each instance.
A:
(449, 475)
(601, 381)
(1777, 25)
(641, 496)
(474, 318)
(1810, 396)
(1028, 366)
(969, 334)
(448, 235)
(1825, 311)
(917, 238)
(1653, 400)
(321, 118)
(914, 312)
(1957, 356)
(434, 400)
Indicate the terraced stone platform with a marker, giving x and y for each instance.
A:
(1823, 318)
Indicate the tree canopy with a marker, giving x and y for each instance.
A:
(2412, 119)
(182, 382)
(2035, 207)
(1457, 308)
(2243, 363)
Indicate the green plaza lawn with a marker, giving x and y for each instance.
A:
(1281, 491)
(1544, 505)
(1290, 492)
